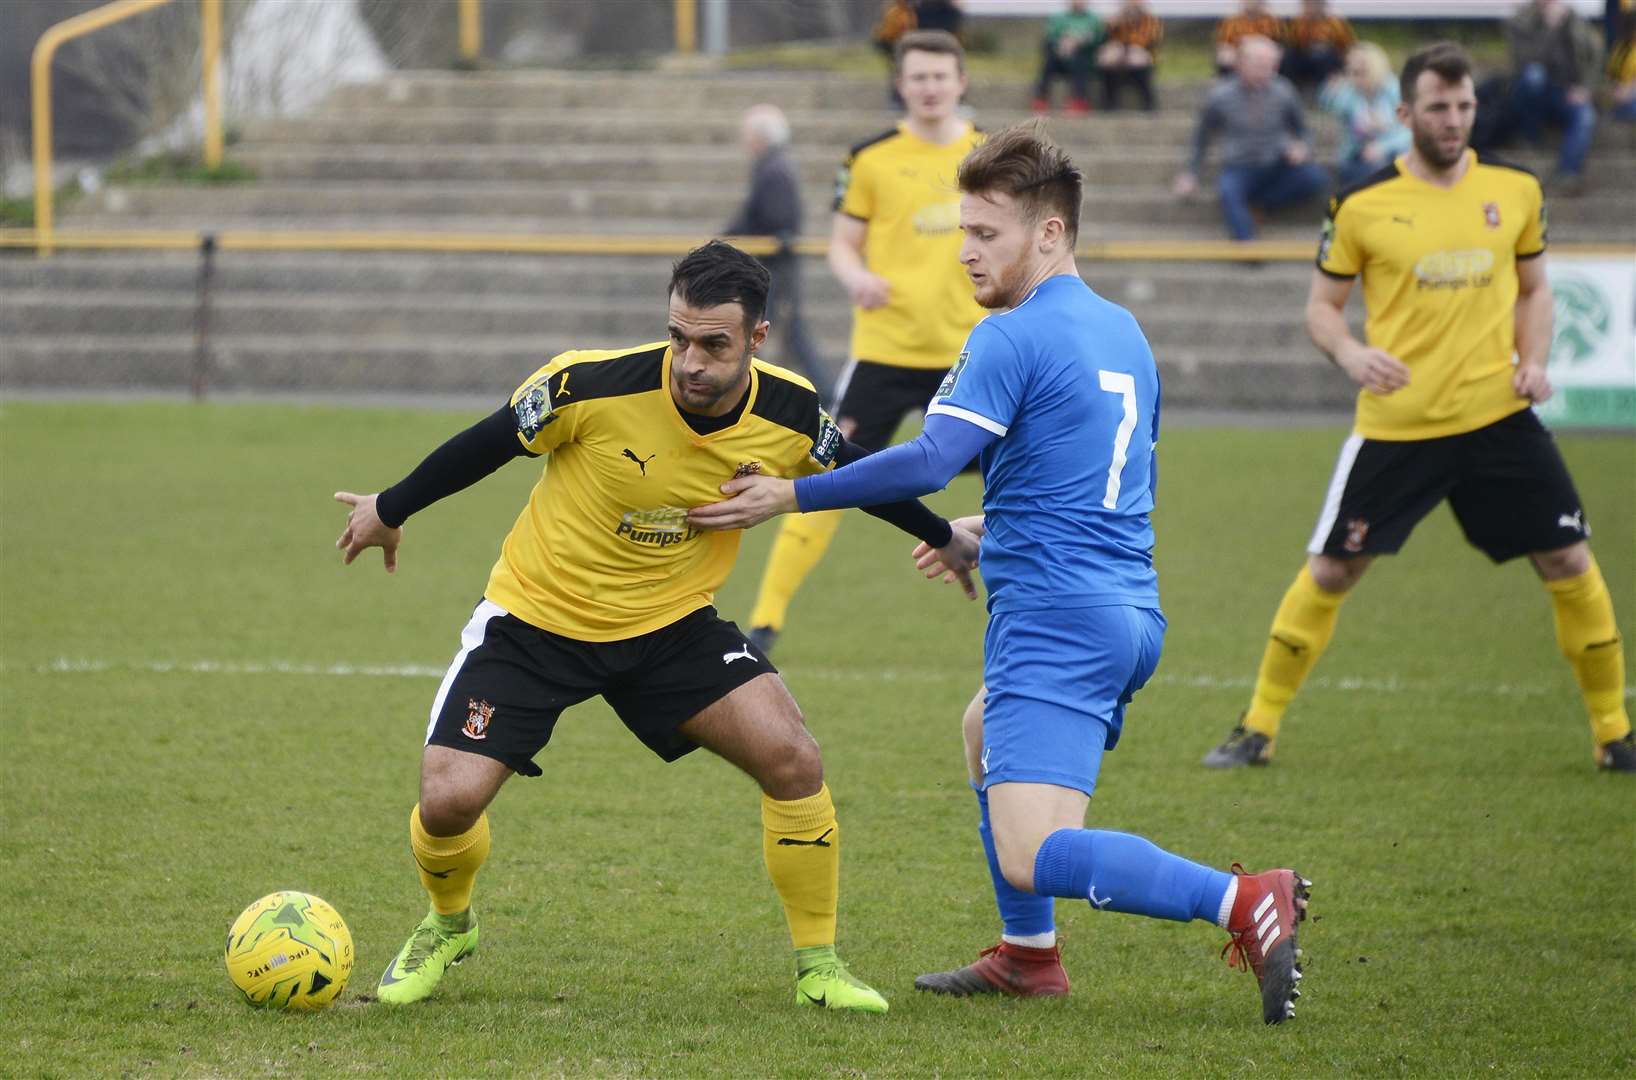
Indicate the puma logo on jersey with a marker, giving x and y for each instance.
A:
(641, 463)
(745, 654)
(562, 387)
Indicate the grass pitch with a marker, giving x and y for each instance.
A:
(200, 705)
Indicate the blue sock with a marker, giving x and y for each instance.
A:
(1120, 872)
(1023, 914)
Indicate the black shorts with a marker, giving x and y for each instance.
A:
(510, 681)
(876, 398)
(1506, 484)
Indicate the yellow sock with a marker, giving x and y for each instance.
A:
(1589, 638)
(801, 543)
(802, 845)
(1300, 632)
(448, 864)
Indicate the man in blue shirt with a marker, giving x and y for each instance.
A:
(1060, 397)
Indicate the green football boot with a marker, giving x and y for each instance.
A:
(430, 951)
(824, 981)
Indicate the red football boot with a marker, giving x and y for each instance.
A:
(1265, 912)
(1003, 969)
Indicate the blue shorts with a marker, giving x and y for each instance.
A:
(1058, 683)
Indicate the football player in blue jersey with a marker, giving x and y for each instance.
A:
(1058, 394)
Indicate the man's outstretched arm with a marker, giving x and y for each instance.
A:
(377, 520)
(918, 467)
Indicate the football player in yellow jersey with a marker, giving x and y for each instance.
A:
(602, 587)
(895, 246)
(1451, 247)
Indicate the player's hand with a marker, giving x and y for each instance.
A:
(955, 560)
(1531, 381)
(869, 291)
(365, 529)
(751, 500)
(1373, 369)
(1185, 186)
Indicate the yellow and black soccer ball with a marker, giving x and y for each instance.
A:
(289, 950)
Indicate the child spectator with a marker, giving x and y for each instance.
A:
(1315, 45)
(1129, 54)
(1365, 102)
(1253, 20)
(1071, 38)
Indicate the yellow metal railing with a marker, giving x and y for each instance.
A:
(471, 30)
(40, 87)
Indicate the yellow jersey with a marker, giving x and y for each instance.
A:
(905, 189)
(1439, 270)
(603, 551)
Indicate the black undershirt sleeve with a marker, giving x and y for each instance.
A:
(911, 515)
(456, 465)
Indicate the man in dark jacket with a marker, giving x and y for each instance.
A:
(1556, 61)
(772, 207)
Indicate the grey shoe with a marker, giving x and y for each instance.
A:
(1241, 747)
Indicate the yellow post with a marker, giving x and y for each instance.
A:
(210, 47)
(40, 89)
(471, 30)
(687, 27)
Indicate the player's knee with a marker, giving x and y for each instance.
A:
(448, 812)
(795, 771)
(1567, 562)
(1336, 575)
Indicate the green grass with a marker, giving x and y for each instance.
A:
(178, 168)
(1473, 872)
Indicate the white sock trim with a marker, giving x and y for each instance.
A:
(1032, 941)
(1227, 899)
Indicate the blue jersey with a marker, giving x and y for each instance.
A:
(1068, 380)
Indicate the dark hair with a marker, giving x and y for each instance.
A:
(1450, 62)
(719, 273)
(1024, 163)
(932, 41)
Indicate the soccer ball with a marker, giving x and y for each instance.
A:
(289, 950)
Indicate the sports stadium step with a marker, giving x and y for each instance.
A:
(492, 366)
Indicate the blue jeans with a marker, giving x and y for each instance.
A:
(1266, 186)
(1536, 101)
(1626, 112)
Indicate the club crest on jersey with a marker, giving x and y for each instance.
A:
(1356, 530)
(478, 715)
(747, 468)
(1491, 214)
(946, 387)
(532, 408)
(828, 442)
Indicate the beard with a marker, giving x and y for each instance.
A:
(999, 289)
(703, 395)
(1430, 147)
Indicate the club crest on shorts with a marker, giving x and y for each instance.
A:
(1491, 214)
(1356, 530)
(478, 715)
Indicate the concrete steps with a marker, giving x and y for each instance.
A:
(493, 366)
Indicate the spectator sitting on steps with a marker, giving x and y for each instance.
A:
(1071, 38)
(1364, 100)
(1252, 20)
(1266, 158)
(1315, 45)
(1129, 54)
(1556, 61)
